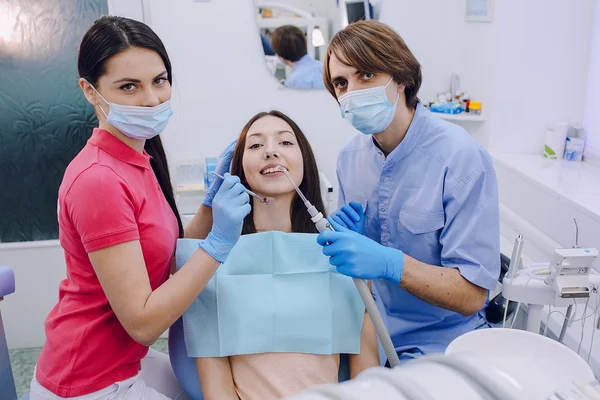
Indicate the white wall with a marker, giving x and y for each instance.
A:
(540, 62)
(528, 66)
(591, 118)
(221, 81)
(435, 31)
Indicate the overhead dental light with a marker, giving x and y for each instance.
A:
(317, 37)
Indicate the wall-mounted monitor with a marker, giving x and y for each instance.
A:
(357, 10)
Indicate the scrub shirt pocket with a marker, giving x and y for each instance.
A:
(420, 231)
(358, 200)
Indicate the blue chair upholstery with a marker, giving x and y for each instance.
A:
(7, 281)
(183, 366)
(492, 314)
(7, 383)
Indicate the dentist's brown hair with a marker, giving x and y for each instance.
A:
(371, 47)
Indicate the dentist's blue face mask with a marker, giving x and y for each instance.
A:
(368, 110)
(138, 122)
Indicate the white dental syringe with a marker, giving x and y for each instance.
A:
(322, 225)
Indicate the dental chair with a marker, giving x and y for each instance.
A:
(185, 367)
(493, 312)
(7, 383)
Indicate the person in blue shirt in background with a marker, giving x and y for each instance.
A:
(267, 49)
(289, 43)
(419, 197)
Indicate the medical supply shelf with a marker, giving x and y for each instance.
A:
(464, 117)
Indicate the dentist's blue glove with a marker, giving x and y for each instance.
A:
(351, 216)
(358, 256)
(223, 165)
(230, 206)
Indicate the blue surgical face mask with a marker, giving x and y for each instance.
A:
(368, 110)
(138, 122)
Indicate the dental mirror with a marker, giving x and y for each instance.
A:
(263, 200)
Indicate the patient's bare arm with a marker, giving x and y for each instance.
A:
(369, 354)
(216, 379)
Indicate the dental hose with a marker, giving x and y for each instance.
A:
(363, 289)
(365, 294)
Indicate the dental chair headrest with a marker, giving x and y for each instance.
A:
(7, 281)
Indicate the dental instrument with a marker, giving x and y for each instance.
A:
(263, 200)
(566, 282)
(516, 257)
(515, 264)
(322, 225)
(570, 270)
(563, 330)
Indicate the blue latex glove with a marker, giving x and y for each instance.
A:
(230, 206)
(223, 166)
(358, 256)
(351, 216)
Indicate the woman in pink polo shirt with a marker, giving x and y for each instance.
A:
(118, 225)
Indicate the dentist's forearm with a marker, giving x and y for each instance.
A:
(200, 225)
(168, 302)
(216, 378)
(443, 287)
(198, 228)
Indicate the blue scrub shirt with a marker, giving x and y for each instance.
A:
(306, 74)
(435, 197)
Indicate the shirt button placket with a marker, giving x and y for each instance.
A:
(383, 208)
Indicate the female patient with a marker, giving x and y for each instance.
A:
(269, 140)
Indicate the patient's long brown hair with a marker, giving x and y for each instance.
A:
(310, 185)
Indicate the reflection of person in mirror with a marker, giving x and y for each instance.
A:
(289, 42)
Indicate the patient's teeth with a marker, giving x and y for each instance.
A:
(270, 170)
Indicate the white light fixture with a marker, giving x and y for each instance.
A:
(8, 19)
(317, 38)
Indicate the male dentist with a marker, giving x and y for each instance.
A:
(419, 196)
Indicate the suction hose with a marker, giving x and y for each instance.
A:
(365, 294)
(322, 225)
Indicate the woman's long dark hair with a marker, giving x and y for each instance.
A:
(310, 185)
(109, 36)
